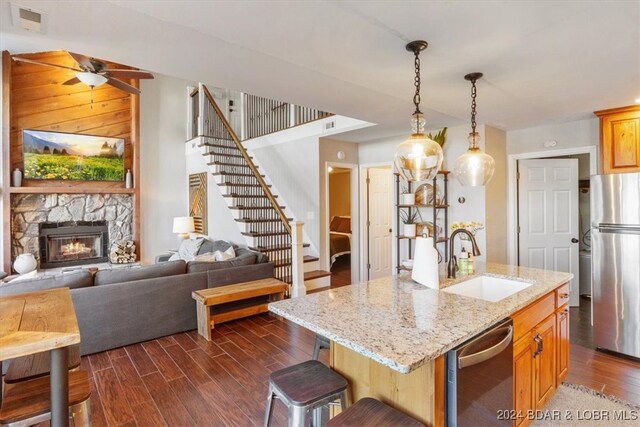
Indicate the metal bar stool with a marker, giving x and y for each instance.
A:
(321, 342)
(372, 412)
(305, 388)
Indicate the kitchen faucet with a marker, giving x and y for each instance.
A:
(453, 262)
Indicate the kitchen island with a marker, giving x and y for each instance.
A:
(389, 336)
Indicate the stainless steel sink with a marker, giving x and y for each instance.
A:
(487, 288)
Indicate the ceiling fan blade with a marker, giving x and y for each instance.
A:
(84, 61)
(123, 86)
(73, 81)
(130, 74)
(31, 61)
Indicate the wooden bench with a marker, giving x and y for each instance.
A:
(235, 301)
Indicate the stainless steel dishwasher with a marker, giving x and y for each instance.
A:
(479, 379)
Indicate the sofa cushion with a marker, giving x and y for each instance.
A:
(73, 280)
(243, 257)
(118, 275)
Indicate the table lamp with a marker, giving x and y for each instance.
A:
(183, 225)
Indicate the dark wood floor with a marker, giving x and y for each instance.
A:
(341, 272)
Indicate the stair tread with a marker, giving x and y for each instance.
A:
(234, 174)
(231, 184)
(230, 164)
(253, 207)
(252, 221)
(316, 274)
(211, 153)
(275, 233)
(274, 248)
(305, 259)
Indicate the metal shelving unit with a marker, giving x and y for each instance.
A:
(440, 181)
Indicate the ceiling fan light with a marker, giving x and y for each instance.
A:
(91, 79)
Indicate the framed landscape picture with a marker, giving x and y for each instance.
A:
(68, 156)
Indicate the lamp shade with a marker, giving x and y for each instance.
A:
(91, 79)
(183, 224)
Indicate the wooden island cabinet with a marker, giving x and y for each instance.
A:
(620, 139)
(540, 352)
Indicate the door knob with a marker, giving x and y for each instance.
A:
(574, 240)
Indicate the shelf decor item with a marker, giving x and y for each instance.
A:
(128, 179)
(475, 167)
(17, 178)
(409, 223)
(25, 263)
(424, 194)
(419, 158)
(407, 197)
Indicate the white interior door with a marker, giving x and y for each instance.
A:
(380, 226)
(548, 217)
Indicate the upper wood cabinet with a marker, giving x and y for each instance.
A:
(620, 139)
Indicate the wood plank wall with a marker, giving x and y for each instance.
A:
(40, 101)
(37, 99)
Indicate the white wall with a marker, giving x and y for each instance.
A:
(292, 168)
(496, 192)
(577, 133)
(163, 177)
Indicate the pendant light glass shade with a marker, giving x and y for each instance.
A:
(418, 158)
(475, 167)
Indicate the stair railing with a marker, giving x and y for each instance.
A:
(289, 260)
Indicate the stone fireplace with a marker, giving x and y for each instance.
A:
(72, 225)
(63, 244)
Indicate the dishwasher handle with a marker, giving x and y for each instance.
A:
(481, 356)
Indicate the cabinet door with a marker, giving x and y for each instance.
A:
(620, 134)
(523, 379)
(545, 361)
(562, 320)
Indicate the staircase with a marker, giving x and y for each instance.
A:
(257, 211)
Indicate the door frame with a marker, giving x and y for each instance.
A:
(512, 188)
(355, 217)
(364, 229)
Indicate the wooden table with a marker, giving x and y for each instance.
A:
(37, 322)
(247, 299)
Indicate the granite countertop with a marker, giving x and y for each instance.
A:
(402, 324)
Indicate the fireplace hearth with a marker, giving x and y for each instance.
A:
(64, 244)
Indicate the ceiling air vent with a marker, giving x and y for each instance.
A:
(28, 19)
(330, 125)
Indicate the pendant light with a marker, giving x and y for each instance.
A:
(418, 158)
(474, 168)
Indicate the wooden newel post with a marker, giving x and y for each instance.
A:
(297, 263)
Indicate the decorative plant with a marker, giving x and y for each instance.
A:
(439, 137)
(472, 227)
(410, 217)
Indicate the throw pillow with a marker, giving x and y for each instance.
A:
(187, 250)
(223, 256)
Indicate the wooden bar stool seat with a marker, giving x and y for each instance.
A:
(37, 365)
(372, 412)
(27, 403)
(305, 388)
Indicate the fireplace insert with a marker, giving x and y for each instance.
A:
(63, 244)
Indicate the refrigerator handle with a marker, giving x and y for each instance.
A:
(618, 229)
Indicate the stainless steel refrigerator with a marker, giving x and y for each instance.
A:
(615, 264)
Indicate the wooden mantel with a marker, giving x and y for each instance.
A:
(34, 98)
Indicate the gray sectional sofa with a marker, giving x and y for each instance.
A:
(124, 306)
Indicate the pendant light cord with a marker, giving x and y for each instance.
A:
(473, 106)
(416, 96)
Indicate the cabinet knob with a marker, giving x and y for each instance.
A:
(564, 295)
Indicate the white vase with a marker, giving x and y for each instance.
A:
(17, 178)
(409, 230)
(25, 263)
(407, 199)
(128, 179)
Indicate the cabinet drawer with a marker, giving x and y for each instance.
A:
(527, 318)
(562, 295)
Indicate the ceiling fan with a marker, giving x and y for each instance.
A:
(94, 72)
